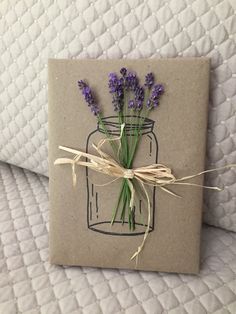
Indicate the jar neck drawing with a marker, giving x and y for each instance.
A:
(132, 123)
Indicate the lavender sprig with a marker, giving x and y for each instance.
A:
(149, 80)
(89, 98)
(154, 99)
(139, 98)
(116, 87)
(130, 80)
(137, 103)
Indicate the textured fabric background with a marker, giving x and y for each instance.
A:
(30, 285)
(33, 31)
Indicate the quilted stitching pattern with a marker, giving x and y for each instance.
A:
(33, 31)
(29, 284)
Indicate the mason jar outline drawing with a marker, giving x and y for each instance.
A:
(147, 129)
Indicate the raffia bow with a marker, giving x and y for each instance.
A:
(157, 175)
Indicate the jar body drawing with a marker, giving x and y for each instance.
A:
(103, 191)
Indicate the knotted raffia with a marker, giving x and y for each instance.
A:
(157, 175)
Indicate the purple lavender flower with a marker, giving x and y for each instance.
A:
(123, 71)
(153, 101)
(116, 86)
(159, 89)
(81, 84)
(139, 97)
(149, 80)
(130, 81)
(95, 110)
(88, 96)
(131, 104)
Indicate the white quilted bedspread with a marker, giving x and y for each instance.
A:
(30, 285)
(32, 31)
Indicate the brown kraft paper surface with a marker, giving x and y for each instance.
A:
(180, 124)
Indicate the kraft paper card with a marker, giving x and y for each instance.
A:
(102, 219)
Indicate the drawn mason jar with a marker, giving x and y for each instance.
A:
(103, 192)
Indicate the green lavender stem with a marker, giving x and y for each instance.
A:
(118, 204)
(122, 216)
(113, 145)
